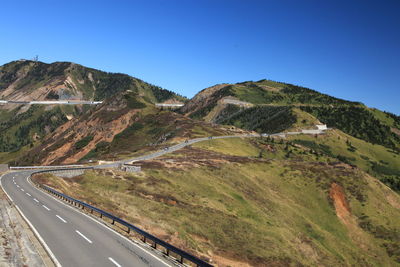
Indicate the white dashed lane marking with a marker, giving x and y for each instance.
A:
(45, 207)
(87, 239)
(64, 221)
(113, 261)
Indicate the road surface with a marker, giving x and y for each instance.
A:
(75, 239)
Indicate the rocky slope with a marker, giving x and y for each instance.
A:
(124, 124)
(23, 126)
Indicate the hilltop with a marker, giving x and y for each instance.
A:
(267, 102)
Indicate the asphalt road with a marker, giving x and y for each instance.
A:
(75, 239)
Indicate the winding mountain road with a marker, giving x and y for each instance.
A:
(73, 238)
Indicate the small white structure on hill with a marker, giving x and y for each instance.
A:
(320, 129)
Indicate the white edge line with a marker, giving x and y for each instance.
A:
(38, 236)
(100, 223)
(113, 261)
(83, 236)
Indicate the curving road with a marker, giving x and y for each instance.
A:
(75, 239)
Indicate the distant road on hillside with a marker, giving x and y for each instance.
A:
(51, 102)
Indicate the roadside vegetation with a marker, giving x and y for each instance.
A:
(253, 201)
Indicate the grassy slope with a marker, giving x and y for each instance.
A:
(243, 208)
(378, 160)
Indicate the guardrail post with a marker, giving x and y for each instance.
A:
(166, 248)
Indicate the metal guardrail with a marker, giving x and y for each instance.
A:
(130, 227)
(52, 102)
(45, 167)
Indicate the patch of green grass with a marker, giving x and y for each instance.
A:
(364, 155)
(230, 146)
(83, 142)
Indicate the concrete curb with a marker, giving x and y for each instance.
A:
(36, 233)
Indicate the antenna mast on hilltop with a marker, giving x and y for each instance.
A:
(36, 58)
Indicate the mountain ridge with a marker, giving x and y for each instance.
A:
(332, 197)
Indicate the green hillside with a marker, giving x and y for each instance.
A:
(261, 202)
(273, 110)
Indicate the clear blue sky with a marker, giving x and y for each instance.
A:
(348, 49)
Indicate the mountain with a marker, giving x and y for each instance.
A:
(270, 103)
(123, 126)
(301, 200)
(24, 80)
(270, 107)
(24, 126)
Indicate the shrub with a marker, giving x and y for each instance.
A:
(83, 142)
